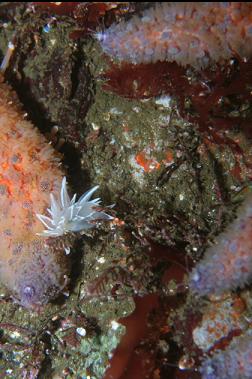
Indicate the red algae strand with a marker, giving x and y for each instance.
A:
(137, 329)
(188, 33)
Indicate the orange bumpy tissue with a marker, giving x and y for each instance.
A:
(188, 33)
(33, 196)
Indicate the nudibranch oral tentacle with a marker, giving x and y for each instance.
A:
(34, 263)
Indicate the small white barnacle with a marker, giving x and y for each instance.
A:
(69, 215)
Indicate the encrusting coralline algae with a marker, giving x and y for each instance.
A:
(199, 34)
(59, 217)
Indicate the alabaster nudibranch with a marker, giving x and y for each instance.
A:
(36, 210)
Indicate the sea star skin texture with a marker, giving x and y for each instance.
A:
(188, 33)
(227, 264)
(235, 362)
(34, 262)
(33, 268)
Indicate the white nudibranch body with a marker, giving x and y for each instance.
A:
(69, 215)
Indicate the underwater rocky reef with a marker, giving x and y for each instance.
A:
(168, 142)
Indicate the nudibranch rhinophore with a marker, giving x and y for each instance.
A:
(38, 217)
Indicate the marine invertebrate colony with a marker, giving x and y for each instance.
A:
(228, 263)
(188, 33)
(33, 262)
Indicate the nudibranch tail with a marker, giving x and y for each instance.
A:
(69, 215)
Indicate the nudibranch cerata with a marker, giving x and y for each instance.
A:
(38, 217)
